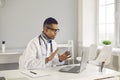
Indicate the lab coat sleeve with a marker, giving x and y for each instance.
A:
(30, 57)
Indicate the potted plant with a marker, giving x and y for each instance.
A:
(106, 42)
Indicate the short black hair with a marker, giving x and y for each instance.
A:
(49, 21)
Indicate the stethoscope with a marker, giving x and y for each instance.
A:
(51, 48)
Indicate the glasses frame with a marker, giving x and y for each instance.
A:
(55, 30)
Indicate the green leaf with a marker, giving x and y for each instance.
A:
(106, 42)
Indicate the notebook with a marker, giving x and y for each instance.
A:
(78, 68)
(34, 73)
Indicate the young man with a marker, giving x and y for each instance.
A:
(41, 52)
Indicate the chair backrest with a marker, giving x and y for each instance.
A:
(105, 55)
(92, 52)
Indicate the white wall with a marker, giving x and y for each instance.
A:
(21, 20)
(87, 26)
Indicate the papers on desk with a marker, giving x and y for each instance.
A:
(35, 73)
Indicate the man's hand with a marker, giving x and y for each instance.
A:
(51, 56)
(64, 56)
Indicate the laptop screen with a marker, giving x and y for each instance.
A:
(84, 60)
(77, 68)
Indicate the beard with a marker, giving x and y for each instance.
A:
(51, 37)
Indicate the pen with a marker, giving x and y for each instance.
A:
(33, 72)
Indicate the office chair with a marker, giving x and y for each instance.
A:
(104, 55)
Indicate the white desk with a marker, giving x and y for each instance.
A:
(89, 74)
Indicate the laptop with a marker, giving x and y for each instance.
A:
(77, 68)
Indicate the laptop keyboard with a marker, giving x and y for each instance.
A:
(75, 68)
(67, 68)
(70, 68)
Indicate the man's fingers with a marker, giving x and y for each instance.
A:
(67, 53)
(68, 56)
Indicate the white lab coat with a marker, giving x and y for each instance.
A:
(34, 55)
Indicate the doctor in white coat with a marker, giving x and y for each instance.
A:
(42, 51)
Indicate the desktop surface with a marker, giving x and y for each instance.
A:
(91, 72)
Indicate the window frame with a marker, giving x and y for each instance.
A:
(115, 29)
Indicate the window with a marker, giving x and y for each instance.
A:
(106, 21)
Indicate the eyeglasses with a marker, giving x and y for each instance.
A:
(55, 30)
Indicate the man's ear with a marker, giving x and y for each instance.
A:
(45, 29)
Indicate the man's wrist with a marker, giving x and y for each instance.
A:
(60, 60)
(46, 60)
